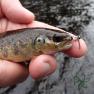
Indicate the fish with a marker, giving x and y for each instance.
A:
(22, 44)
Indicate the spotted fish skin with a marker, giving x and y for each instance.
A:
(20, 45)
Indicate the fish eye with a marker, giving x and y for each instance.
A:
(40, 40)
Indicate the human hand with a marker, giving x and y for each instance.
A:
(14, 16)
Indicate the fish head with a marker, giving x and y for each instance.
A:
(48, 44)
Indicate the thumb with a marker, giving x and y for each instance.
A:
(15, 12)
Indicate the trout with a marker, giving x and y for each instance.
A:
(22, 44)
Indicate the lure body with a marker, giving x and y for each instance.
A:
(20, 45)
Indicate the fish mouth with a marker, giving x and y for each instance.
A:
(58, 47)
(63, 45)
(62, 41)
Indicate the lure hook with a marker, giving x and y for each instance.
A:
(77, 39)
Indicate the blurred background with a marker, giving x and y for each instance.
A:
(73, 76)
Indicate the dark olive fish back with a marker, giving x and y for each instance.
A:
(25, 35)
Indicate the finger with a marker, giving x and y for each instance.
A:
(6, 25)
(42, 66)
(15, 12)
(78, 49)
(1, 13)
(11, 73)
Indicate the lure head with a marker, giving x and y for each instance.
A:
(48, 44)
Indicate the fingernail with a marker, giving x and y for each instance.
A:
(41, 70)
(45, 68)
